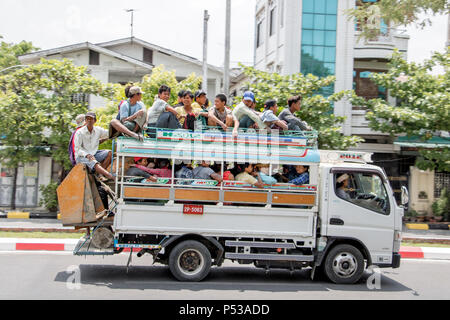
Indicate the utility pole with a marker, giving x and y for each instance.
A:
(205, 51)
(226, 76)
(132, 19)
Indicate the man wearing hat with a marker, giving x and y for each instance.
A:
(244, 110)
(342, 185)
(132, 114)
(86, 142)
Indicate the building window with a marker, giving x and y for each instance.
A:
(281, 13)
(318, 51)
(148, 56)
(259, 33)
(94, 58)
(365, 87)
(441, 181)
(272, 22)
(80, 98)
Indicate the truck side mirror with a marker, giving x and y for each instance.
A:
(405, 196)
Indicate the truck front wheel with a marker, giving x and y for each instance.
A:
(190, 261)
(344, 264)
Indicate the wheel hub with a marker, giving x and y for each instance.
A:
(345, 264)
(190, 262)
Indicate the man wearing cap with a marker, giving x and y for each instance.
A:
(132, 114)
(86, 142)
(244, 109)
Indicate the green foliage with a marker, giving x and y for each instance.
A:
(423, 104)
(35, 92)
(395, 13)
(316, 110)
(160, 76)
(49, 197)
(9, 52)
(441, 207)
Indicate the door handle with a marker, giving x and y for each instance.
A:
(336, 222)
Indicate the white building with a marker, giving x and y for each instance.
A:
(127, 60)
(316, 36)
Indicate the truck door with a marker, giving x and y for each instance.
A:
(360, 208)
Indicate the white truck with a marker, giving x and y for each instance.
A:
(342, 221)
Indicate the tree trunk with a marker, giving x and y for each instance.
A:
(14, 187)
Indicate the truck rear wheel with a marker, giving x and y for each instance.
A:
(190, 261)
(344, 264)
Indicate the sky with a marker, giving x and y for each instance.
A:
(174, 24)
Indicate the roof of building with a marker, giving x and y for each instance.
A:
(157, 48)
(82, 46)
(104, 48)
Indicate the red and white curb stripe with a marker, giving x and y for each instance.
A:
(14, 244)
(425, 253)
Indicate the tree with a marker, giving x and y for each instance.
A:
(368, 14)
(21, 127)
(9, 52)
(316, 109)
(423, 105)
(54, 93)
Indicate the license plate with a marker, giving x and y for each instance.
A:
(192, 209)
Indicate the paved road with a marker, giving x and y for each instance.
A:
(43, 275)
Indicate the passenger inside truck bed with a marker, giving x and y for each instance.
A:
(139, 170)
(204, 172)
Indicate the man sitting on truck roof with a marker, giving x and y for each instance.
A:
(204, 172)
(161, 114)
(287, 115)
(244, 110)
(269, 118)
(220, 115)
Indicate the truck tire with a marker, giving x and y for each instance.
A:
(344, 264)
(190, 261)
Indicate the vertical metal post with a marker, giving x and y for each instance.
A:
(226, 76)
(205, 51)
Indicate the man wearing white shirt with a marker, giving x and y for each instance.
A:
(86, 142)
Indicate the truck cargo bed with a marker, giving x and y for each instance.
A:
(218, 221)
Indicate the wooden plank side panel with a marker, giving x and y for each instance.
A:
(294, 199)
(245, 197)
(146, 193)
(197, 195)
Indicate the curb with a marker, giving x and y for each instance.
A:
(425, 253)
(29, 215)
(15, 244)
(428, 226)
